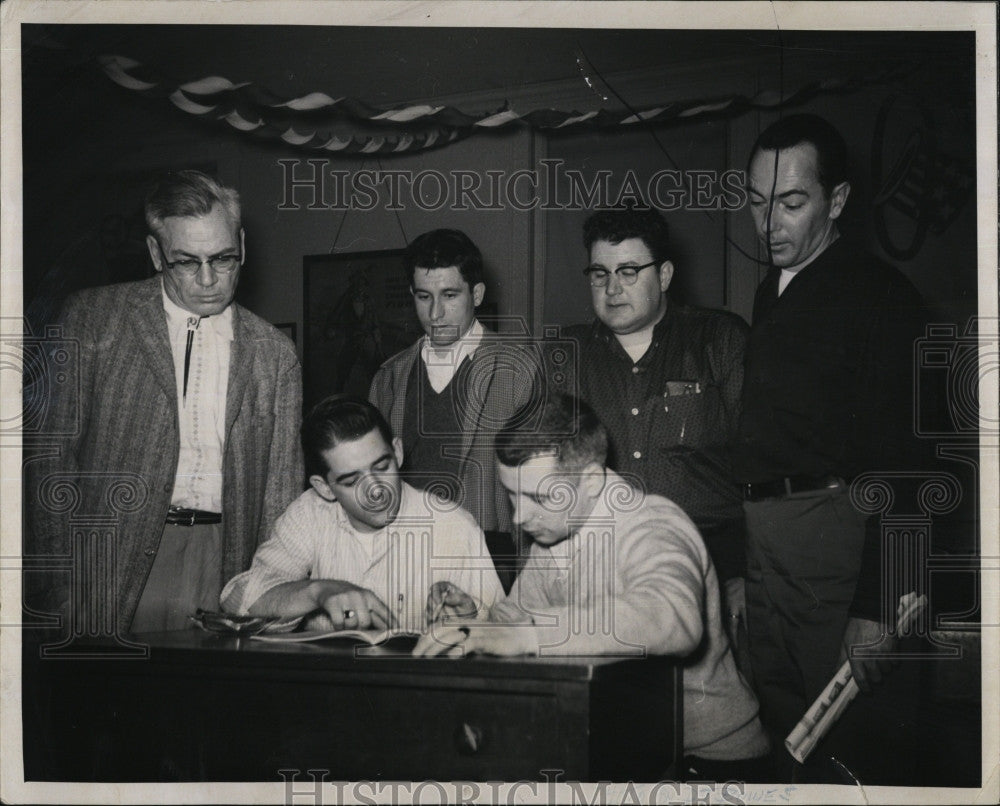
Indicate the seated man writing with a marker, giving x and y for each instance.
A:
(361, 548)
(609, 572)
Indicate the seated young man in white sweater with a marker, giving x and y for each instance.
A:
(361, 548)
(611, 571)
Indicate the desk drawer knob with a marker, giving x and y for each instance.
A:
(468, 739)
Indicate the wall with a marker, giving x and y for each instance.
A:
(67, 200)
(926, 150)
(280, 238)
(88, 144)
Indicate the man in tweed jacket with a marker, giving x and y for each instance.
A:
(144, 429)
(448, 394)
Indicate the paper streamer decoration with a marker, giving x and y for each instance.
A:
(320, 122)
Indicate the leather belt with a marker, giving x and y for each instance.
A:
(191, 517)
(779, 488)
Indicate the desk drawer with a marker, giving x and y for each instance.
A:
(225, 715)
(128, 728)
(418, 733)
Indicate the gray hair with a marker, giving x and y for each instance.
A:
(186, 194)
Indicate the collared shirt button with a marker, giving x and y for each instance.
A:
(635, 411)
(637, 454)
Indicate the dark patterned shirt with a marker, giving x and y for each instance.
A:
(671, 415)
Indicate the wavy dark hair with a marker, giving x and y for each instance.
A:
(441, 249)
(338, 418)
(615, 226)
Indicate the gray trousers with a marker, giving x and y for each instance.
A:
(186, 575)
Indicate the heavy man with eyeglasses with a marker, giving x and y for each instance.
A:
(185, 404)
(665, 379)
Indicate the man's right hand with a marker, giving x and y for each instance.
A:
(449, 601)
(868, 671)
(350, 607)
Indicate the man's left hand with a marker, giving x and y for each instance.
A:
(869, 670)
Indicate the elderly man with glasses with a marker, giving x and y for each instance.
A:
(182, 404)
(665, 379)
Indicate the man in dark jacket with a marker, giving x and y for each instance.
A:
(827, 396)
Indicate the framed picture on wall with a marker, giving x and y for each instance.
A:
(358, 312)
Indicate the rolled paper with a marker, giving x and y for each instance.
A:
(822, 714)
(841, 691)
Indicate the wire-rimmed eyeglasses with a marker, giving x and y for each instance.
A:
(220, 264)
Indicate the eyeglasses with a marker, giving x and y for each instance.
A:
(222, 264)
(627, 275)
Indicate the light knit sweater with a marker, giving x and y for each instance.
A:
(635, 578)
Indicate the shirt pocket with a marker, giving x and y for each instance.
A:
(688, 414)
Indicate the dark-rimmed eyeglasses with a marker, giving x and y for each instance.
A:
(627, 275)
(220, 264)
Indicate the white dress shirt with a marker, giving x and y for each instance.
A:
(202, 411)
(442, 364)
(314, 539)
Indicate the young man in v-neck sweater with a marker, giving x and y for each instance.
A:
(449, 393)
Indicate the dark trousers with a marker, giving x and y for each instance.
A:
(803, 560)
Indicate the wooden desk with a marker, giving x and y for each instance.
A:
(203, 707)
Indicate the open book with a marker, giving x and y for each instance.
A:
(397, 638)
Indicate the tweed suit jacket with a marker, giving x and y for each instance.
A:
(115, 437)
(504, 379)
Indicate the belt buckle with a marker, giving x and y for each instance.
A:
(192, 518)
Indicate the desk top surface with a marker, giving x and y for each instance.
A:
(197, 647)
